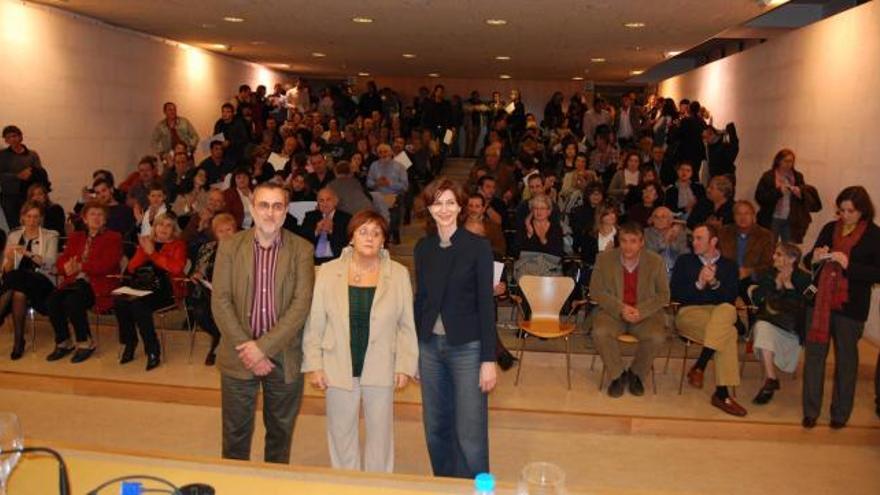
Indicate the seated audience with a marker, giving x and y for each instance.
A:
(540, 233)
(627, 178)
(479, 223)
(496, 208)
(350, 191)
(120, 217)
(137, 186)
(705, 284)
(89, 260)
(748, 244)
(326, 227)
(641, 212)
(582, 217)
(717, 207)
(786, 200)
(299, 188)
(238, 197)
(198, 227)
(684, 195)
(223, 226)
(666, 236)
(53, 213)
(156, 206)
(847, 257)
(320, 175)
(631, 288)
(28, 271)
(173, 129)
(216, 165)
(160, 257)
(779, 324)
(193, 196)
(177, 176)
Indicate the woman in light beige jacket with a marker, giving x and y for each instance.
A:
(360, 343)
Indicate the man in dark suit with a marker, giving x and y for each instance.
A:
(326, 227)
(690, 133)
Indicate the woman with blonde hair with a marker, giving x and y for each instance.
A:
(159, 259)
(359, 344)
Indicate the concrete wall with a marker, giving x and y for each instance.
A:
(814, 90)
(87, 95)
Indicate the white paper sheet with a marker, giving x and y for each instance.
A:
(510, 107)
(225, 184)
(128, 291)
(499, 269)
(447, 138)
(205, 145)
(277, 161)
(403, 159)
(298, 209)
(208, 285)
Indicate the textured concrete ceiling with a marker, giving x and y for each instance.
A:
(545, 39)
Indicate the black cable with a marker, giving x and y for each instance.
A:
(174, 490)
(63, 480)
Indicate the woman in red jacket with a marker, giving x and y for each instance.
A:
(88, 258)
(159, 259)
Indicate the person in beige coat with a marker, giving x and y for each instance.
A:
(630, 287)
(360, 344)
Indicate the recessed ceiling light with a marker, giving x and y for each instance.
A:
(772, 3)
(496, 22)
(279, 66)
(636, 72)
(318, 54)
(258, 43)
(217, 46)
(504, 76)
(673, 53)
(433, 74)
(409, 55)
(362, 20)
(208, 25)
(233, 19)
(502, 57)
(577, 78)
(364, 74)
(634, 25)
(597, 60)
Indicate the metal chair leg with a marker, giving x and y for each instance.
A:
(519, 361)
(568, 361)
(653, 378)
(668, 355)
(602, 377)
(683, 364)
(31, 316)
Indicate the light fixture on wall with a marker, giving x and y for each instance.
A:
(362, 20)
(233, 19)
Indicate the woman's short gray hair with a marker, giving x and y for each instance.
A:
(540, 199)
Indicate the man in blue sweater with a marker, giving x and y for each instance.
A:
(705, 284)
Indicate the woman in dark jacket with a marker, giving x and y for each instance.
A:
(785, 200)
(846, 257)
(455, 321)
(779, 324)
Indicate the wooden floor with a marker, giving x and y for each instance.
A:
(663, 443)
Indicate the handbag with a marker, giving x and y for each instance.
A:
(147, 277)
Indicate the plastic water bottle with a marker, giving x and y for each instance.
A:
(484, 484)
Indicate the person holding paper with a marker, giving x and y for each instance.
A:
(261, 326)
(326, 227)
(85, 266)
(360, 344)
(223, 227)
(235, 131)
(159, 259)
(173, 129)
(630, 287)
(28, 263)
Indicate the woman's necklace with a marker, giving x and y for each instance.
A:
(359, 270)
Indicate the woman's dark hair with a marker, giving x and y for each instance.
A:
(781, 155)
(606, 208)
(368, 216)
(860, 199)
(669, 108)
(630, 154)
(433, 191)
